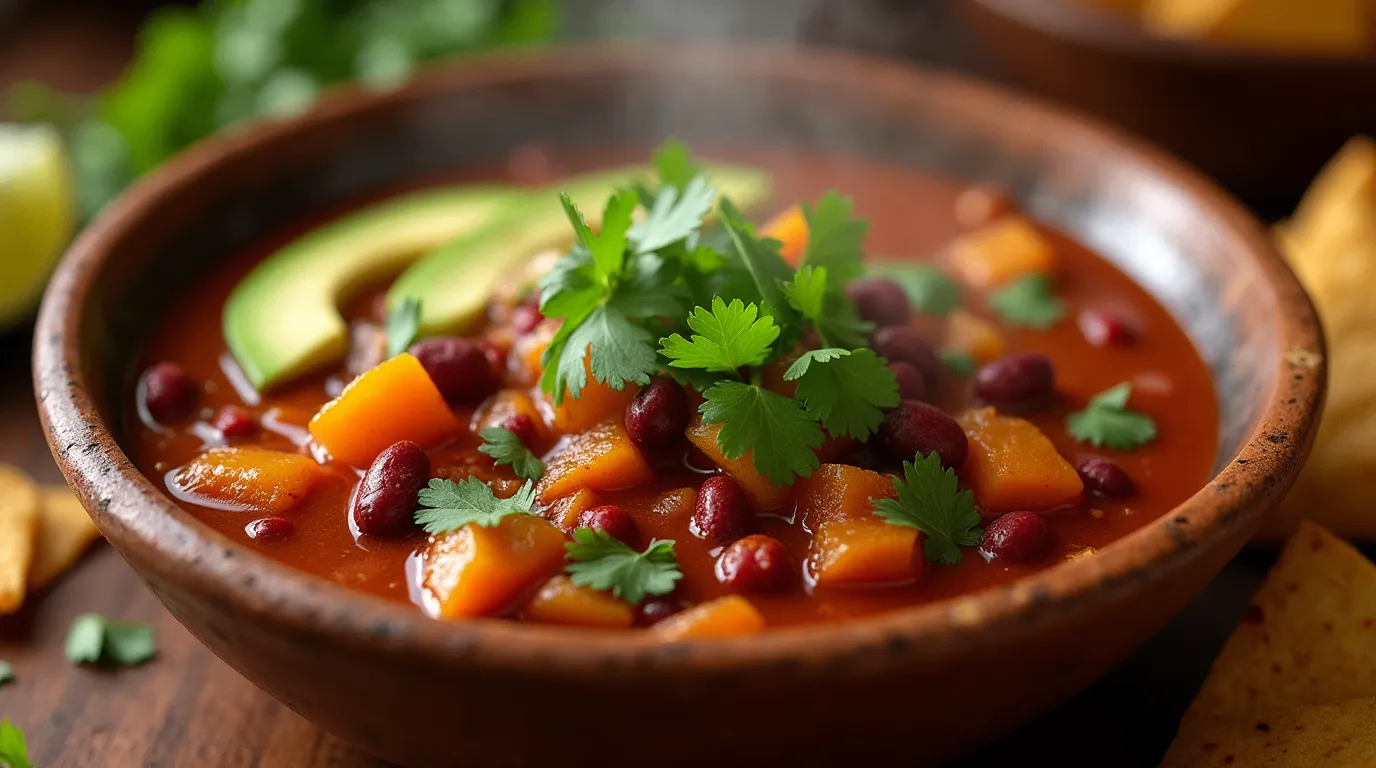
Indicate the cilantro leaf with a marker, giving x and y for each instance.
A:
(1106, 421)
(608, 247)
(774, 428)
(1029, 302)
(608, 565)
(403, 325)
(807, 291)
(930, 290)
(6, 672)
(675, 164)
(840, 323)
(572, 287)
(726, 338)
(847, 391)
(834, 237)
(930, 500)
(94, 639)
(14, 752)
(506, 448)
(960, 363)
(767, 269)
(450, 505)
(674, 216)
(617, 351)
(649, 288)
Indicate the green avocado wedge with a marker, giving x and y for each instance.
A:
(454, 283)
(283, 318)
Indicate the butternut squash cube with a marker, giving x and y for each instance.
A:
(730, 616)
(864, 551)
(762, 493)
(974, 336)
(247, 479)
(392, 402)
(1001, 252)
(1012, 465)
(478, 571)
(675, 507)
(790, 228)
(840, 491)
(564, 512)
(601, 459)
(596, 402)
(505, 404)
(560, 601)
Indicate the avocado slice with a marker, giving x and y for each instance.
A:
(454, 283)
(283, 318)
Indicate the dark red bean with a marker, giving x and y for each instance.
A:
(522, 426)
(658, 415)
(168, 393)
(880, 301)
(756, 563)
(1017, 383)
(1018, 537)
(1106, 329)
(721, 513)
(654, 611)
(901, 344)
(526, 318)
(232, 421)
(460, 368)
(1104, 477)
(614, 520)
(911, 384)
(916, 428)
(270, 529)
(386, 498)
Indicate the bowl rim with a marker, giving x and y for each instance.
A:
(144, 522)
(1093, 26)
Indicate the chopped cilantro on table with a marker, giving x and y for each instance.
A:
(930, 500)
(449, 506)
(403, 326)
(606, 564)
(94, 639)
(506, 448)
(1029, 302)
(1107, 422)
(14, 752)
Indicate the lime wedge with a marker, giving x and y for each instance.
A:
(35, 215)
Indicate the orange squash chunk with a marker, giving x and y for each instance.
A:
(1002, 251)
(601, 459)
(864, 551)
(675, 507)
(560, 601)
(840, 491)
(505, 404)
(564, 512)
(394, 401)
(762, 493)
(730, 616)
(596, 402)
(248, 479)
(478, 571)
(790, 228)
(974, 336)
(1012, 465)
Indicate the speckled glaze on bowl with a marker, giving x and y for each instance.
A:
(923, 683)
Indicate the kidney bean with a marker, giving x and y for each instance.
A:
(1104, 477)
(270, 529)
(522, 426)
(911, 384)
(721, 512)
(1018, 537)
(880, 301)
(460, 368)
(658, 415)
(1017, 383)
(613, 520)
(901, 344)
(386, 498)
(756, 563)
(654, 611)
(232, 421)
(915, 427)
(168, 393)
(1106, 329)
(526, 317)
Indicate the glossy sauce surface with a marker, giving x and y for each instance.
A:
(911, 217)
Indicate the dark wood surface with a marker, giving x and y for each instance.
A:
(187, 708)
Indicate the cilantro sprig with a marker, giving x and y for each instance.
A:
(506, 448)
(847, 391)
(94, 639)
(403, 325)
(930, 500)
(606, 564)
(727, 337)
(1107, 422)
(449, 506)
(1029, 302)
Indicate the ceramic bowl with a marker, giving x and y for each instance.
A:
(926, 682)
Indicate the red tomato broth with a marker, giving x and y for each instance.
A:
(911, 216)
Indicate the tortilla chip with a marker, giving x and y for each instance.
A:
(1339, 735)
(18, 526)
(64, 533)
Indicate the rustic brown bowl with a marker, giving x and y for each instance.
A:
(1262, 123)
(924, 683)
